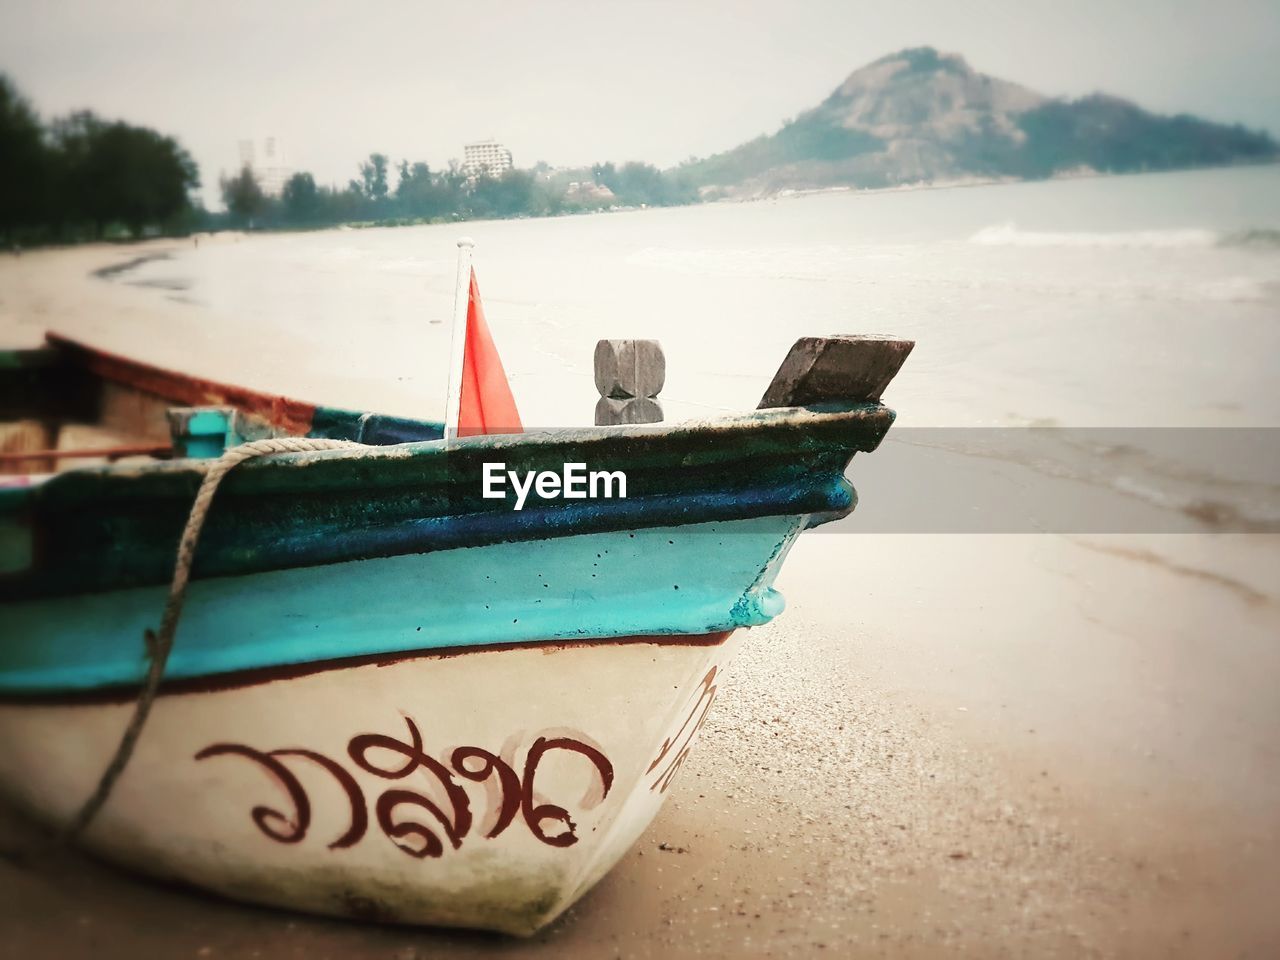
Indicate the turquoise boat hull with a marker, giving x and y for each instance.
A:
(687, 580)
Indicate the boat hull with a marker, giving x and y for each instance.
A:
(467, 737)
(395, 694)
(479, 787)
(689, 579)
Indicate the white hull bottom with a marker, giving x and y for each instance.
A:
(483, 787)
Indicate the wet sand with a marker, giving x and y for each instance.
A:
(1033, 745)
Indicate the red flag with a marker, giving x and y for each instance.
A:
(486, 404)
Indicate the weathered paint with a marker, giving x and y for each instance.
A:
(115, 527)
(74, 383)
(202, 432)
(694, 579)
(367, 816)
(183, 389)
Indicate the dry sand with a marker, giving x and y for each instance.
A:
(949, 745)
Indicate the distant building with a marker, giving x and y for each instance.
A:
(266, 159)
(488, 157)
(588, 190)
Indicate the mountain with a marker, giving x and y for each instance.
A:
(920, 116)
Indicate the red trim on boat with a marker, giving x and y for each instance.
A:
(110, 453)
(180, 388)
(260, 675)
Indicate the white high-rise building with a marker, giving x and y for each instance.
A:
(485, 157)
(266, 159)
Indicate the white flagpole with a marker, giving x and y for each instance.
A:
(458, 349)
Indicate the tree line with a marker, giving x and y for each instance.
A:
(81, 177)
(423, 195)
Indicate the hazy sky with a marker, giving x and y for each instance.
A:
(573, 82)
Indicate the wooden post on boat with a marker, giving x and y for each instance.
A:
(841, 369)
(629, 375)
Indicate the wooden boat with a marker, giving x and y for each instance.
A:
(391, 697)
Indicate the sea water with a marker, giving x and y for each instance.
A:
(1147, 301)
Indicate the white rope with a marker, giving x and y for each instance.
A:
(160, 643)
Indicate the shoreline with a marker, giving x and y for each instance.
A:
(784, 193)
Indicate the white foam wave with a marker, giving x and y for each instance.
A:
(818, 262)
(1010, 235)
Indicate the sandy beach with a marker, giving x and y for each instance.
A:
(950, 744)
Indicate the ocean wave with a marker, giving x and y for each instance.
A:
(1010, 235)
(818, 263)
(1263, 238)
(1234, 290)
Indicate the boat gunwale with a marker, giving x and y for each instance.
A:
(865, 414)
(99, 529)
